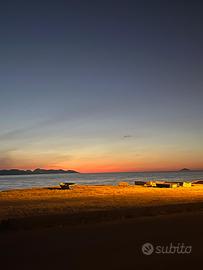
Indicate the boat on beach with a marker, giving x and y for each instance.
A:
(164, 184)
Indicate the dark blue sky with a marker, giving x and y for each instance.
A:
(108, 81)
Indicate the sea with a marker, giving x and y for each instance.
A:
(48, 180)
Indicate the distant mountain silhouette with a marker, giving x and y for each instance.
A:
(36, 171)
(185, 170)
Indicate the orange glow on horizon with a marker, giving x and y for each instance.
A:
(112, 169)
(102, 169)
(97, 164)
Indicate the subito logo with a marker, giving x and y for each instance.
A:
(147, 249)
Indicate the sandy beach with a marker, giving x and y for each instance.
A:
(83, 204)
(99, 227)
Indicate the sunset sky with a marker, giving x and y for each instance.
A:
(100, 86)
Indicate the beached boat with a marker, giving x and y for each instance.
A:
(65, 185)
(163, 184)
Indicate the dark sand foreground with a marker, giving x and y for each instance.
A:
(100, 227)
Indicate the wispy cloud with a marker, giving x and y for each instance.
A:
(16, 133)
(128, 136)
(6, 159)
(63, 117)
(5, 162)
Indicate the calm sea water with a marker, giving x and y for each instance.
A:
(28, 181)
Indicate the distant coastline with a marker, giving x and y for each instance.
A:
(36, 171)
(61, 171)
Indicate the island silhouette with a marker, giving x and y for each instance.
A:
(36, 171)
(185, 170)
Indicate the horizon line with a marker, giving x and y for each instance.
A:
(145, 171)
